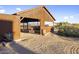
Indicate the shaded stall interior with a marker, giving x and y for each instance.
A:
(30, 25)
(6, 29)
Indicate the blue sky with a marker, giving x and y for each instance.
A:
(69, 13)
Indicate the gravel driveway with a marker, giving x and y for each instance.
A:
(49, 44)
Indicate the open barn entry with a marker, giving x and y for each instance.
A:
(30, 25)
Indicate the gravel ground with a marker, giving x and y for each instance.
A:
(49, 44)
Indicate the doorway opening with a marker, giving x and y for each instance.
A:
(30, 25)
(6, 30)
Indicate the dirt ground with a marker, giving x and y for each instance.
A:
(49, 44)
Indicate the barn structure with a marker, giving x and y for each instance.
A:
(23, 22)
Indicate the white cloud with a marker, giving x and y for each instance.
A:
(2, 11)
(18, 9)
(66, 17)
(71, 17)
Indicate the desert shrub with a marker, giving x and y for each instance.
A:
(37, 31)
(68, 31)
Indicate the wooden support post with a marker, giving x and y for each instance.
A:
(23, 26)
(41, 27)
(27, 27)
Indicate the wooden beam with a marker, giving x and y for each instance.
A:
(22, 18)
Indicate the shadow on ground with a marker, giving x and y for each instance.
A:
(20, 49)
